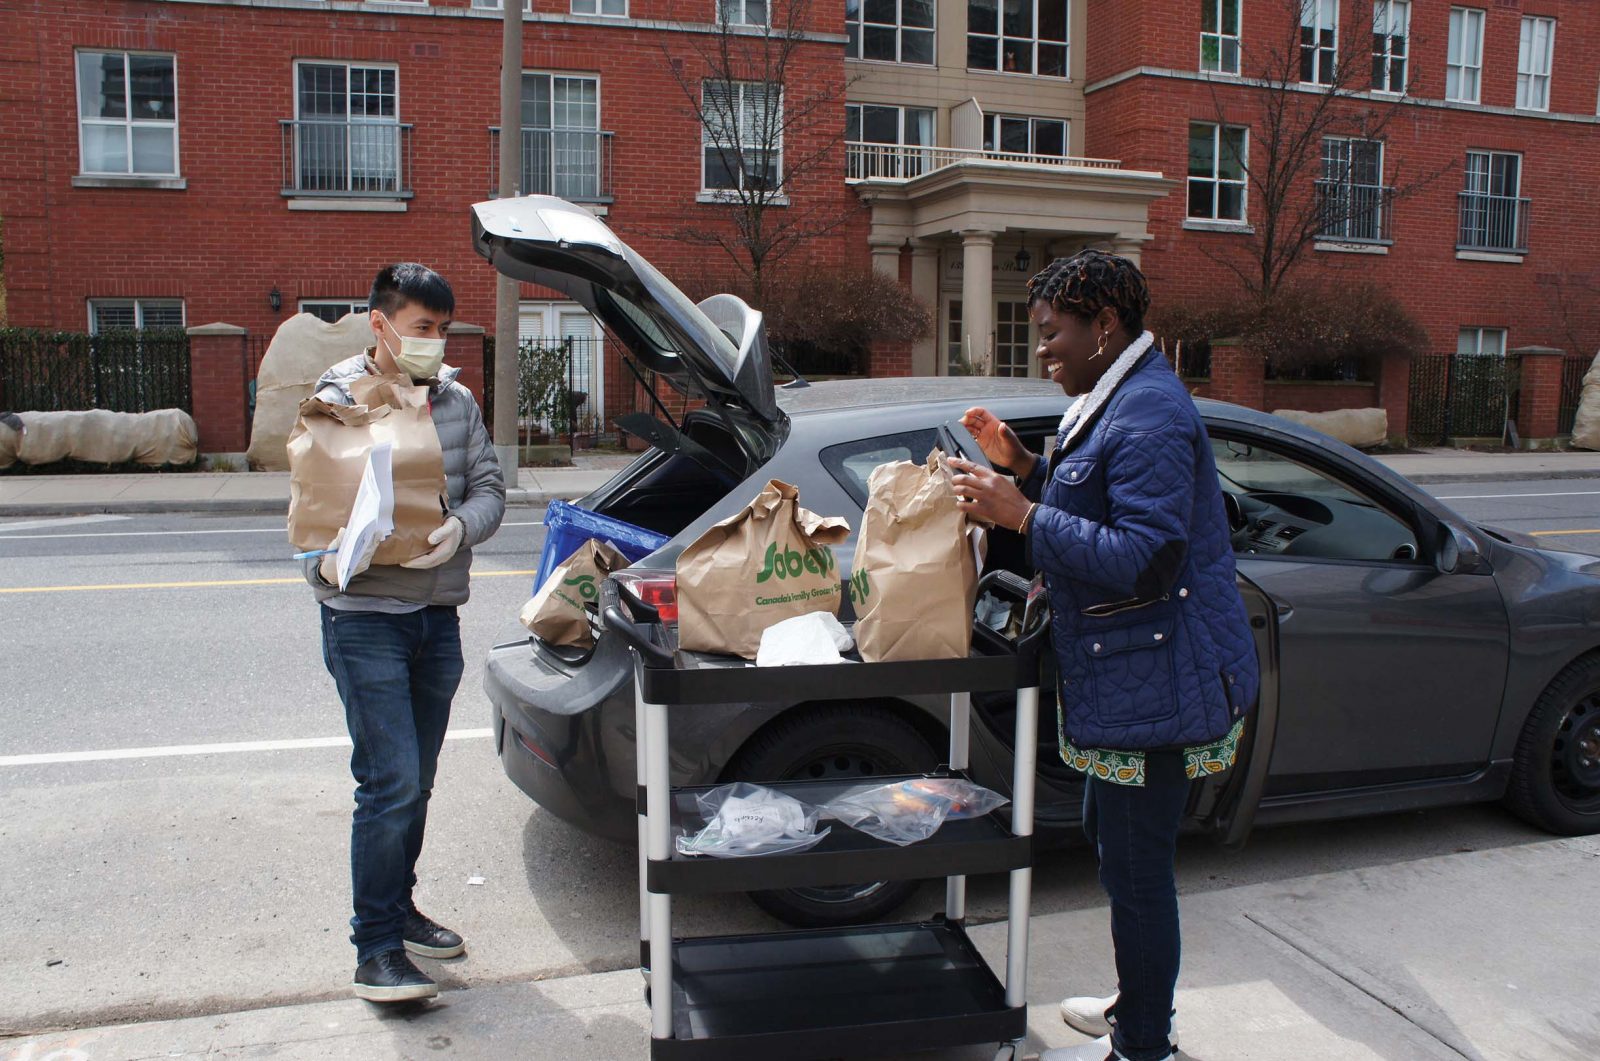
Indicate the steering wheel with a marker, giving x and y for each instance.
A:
(1236, 517)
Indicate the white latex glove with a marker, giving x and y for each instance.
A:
(328, 568)
(445, 541)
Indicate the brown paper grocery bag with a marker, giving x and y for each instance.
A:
(914, 578)
(768, 563)
(558, 613)
(328, 451)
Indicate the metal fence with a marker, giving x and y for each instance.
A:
(123, 371)
(1573, 370)
(574, 164)
(557, 381)
(1457, 396)
(346, 158)
(1494, 223)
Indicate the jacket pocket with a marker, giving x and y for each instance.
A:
(1131, 674)
(1106, 609)
(1074, 471)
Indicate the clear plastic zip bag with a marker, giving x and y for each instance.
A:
(904, 812)
(744, 819)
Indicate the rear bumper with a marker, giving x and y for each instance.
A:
(570, 775)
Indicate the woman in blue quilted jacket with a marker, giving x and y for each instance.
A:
(1156, 661)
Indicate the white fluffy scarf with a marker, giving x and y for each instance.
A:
(1083, 410)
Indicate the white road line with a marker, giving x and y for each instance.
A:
(186, 533)
(1496, 497)
(46, 758)
(66, 521)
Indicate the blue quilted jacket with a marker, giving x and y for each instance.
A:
(1150, 633)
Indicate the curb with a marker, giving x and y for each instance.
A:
(241, 506)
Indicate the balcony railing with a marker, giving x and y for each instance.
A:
(1494, 223)
(574, 164)
(875, 162)
(357, 159)
(1354, 213)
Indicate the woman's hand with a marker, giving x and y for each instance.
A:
(998, 442)
(987, 495)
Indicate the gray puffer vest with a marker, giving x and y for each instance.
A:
(476, 489)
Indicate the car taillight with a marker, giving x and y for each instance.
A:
(658, 591)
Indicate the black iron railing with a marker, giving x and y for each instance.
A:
(1457, 396)
(574, 164)
(358, 159)
(123, 371)
(1494, 223)
(1573, 369)
(1354, 213)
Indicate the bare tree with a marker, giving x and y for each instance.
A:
(765, 132)
(1304, 89)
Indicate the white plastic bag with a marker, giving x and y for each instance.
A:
(744, 819)
(815, 637)
(904, 812)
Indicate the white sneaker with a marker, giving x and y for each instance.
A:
(1099, 1050)
(1090, 1015)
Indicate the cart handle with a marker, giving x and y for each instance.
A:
(614, 613)
(1006, 584)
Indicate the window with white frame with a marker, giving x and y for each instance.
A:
(1018, 36)
(1217, 156)
(561, 139)
(332, 310)
(607, 8)
(127, 114)
(1482, 342)
(741, 135)
(1391, 40)
(1025, 136)
(1351, 194)
(1534, 54)
(1219, 36)
(889, 31)
(1464, 58)
(742, 12)
(347, 128)
(879, 133)
(141, 314)
(1319, 40)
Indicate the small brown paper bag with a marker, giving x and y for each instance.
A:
(914, 578)
(328, 451)
(558, 613)
(768, 563)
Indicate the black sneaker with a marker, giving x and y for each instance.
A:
(390, 977)
(430, 939)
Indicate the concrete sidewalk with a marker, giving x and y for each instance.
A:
(1477, 955)
(267, 493)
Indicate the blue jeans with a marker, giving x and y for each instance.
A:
(1134, 831)
(396, 675)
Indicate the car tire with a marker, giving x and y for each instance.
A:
(1555, 774)
(834, 740)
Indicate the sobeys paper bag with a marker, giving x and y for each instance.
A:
(558, 613)
(768, 563)
(328, 451)
(914, 578)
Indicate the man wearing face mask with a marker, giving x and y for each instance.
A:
(392, 640)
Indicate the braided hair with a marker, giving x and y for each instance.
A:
(1088, 282)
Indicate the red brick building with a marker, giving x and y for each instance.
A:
(1498, 252)
(184, 162)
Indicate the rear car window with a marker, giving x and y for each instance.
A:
(850, 463)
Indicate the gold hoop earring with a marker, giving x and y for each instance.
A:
(1101, 348)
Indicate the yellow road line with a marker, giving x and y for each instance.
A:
(1559, 533)
(212, 584)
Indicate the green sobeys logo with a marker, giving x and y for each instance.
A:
(792, 563)
(585, 584)
(860, 588)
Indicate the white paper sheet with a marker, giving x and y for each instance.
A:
(372, 515)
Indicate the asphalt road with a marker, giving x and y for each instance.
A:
(175, 799)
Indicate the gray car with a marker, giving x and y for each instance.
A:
(1409, 658)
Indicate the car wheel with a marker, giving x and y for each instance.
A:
(834, 741)
(1555, 775)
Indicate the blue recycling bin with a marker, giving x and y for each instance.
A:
(567, 527)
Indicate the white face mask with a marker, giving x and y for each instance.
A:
(418, 358)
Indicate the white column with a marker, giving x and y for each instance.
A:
(925, 286)
(886, 256)
(977, 297)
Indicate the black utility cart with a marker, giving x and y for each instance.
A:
(867, 991)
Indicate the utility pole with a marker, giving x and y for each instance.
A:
(507, 357)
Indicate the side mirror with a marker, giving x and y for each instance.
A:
(1457, 551)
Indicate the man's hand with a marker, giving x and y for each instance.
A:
(445, 541)
(328, 568)
(987, 495)
(998, 442)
